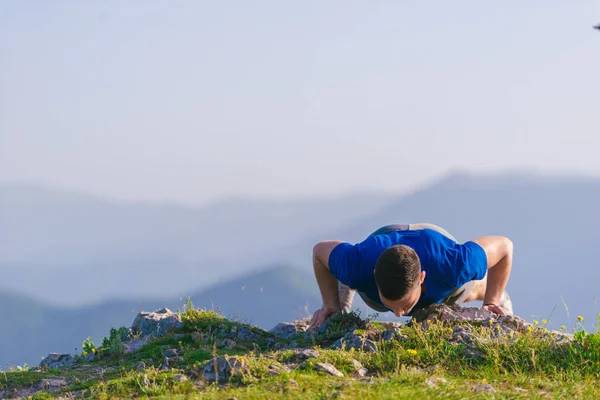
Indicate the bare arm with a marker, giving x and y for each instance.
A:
(328, 284)
(499, 251)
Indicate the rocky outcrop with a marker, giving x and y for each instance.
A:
(55, 360)
(223, 368)
(155, 324)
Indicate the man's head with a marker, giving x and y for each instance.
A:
(399, 277)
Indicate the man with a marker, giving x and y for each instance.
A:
(401, 268)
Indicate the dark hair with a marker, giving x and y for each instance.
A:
(397, 271)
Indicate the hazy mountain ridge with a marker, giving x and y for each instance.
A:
(69, 238)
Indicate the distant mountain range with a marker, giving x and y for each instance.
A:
(30, 329)
(72, 250)
(69, 248)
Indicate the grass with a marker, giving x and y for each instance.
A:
(424, 363)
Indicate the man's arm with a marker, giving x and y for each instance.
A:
(499, 252)
(328, 284)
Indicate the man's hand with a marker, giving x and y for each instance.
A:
(495, 309)
(320, 316)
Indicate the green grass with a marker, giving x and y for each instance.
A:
(531, 364)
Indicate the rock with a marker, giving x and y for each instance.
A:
(354, 341)
(165, 364)
(292, 345)
(134, 345)
(286, 330)
(140, 366)
(49, 384)
(55, 360)
(483, 387)
(180, 378)
(244, 333)
(223, 368)
(393, 333)
(89, 357)
(444, 312)
(170, 353)
(329, 368)
(156, 324)
(305, 354)
(277, 369)
(462, 334)
(227, 343)
(520, 390)
(359, 370)
(433, 382)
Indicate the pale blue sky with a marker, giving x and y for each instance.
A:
(194, 101)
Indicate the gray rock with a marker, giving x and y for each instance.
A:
(483, 387)
(329, 368)
(287, 330)
(227, 343)
(180, 378)
(434, 382)
(55, 360)
(170, 353)
(165, 364)
(305, 354)
(156, 324)
(49, 384)
(89, 357)
(223, 368)
(359, 370)
(134, 345)
(393, 333)
(354, 341)
(462, 334)
(277, 369)
(244, 333)
(140, 366)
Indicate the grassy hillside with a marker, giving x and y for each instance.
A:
(264, 298)
(426, 359)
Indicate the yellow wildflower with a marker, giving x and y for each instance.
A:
(544, 322)
(483, 380)
(535, 322)
(412, 352)
(529, 329)
(580, 318)
(562, 327)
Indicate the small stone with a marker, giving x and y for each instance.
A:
(52, 383)
(180, 378)
(140, 366)
(222, 368)
(170, 353)
(329, 368)
(394, 333)
(520, 390)
(305, 354)
(359, 370)
(433, 382)
(293, 383)
(483, 387)
(55, 360)
(165, 364)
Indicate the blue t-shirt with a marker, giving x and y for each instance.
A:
(447, 264)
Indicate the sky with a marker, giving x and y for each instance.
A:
(193, 101)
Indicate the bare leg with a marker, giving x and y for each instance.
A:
(478, 291)
(346, 296)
